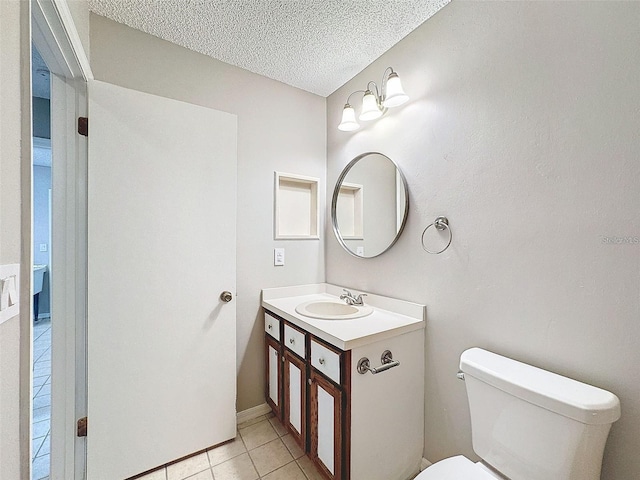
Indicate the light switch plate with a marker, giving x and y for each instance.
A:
(278, 257)
(9, 291)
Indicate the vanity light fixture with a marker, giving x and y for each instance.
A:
(374, 102)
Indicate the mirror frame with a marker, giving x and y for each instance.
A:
(334, 204)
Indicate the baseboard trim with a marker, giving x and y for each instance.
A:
(424, 464)
(253, 412)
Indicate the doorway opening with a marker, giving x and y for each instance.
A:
(41, 235)
(59, 338)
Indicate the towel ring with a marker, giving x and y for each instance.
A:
(440, 223)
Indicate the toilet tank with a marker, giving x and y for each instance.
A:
(531, 424)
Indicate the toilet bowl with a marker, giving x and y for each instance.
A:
(528, 423)
(458, 468)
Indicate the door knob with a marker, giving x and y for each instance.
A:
(226, 297)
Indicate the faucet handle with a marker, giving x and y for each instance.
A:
(347, 291)
(359, 298)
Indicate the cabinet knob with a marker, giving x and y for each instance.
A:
(275, 353)
(226, 297)
(292, 341)
(321, 360)
(269, 327)
(309, 381)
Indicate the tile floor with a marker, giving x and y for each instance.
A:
(41, 398)
(262, 450)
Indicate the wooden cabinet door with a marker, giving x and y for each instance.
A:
(325, 400)
(273, 363)
(295, 397)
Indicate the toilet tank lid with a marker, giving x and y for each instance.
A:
(565, 396)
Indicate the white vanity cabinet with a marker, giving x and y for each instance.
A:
(344, 417)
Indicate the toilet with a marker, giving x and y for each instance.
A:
(528, 423)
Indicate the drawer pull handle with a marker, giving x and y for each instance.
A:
(387, 362)
(269, 327)
(292, 341)
(321, 360)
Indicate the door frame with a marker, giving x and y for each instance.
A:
(55, 36)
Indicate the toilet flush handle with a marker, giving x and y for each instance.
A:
(460, 375)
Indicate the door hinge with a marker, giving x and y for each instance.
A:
(82, 427)
(83, 126)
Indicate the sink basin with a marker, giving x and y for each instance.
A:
(332, 310)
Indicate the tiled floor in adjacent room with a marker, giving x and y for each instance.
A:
(41, 399)
(262, 450)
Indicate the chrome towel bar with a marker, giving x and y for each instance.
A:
(387, 362)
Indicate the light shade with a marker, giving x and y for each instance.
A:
(395, 94)
(348, 123)
(370, 108)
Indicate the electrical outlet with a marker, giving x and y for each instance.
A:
(278, 257)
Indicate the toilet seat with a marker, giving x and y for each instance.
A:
(456, 468)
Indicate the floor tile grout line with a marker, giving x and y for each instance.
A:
(45, 330)
(282, 466)
(42, 354)
(248, 455)
(39, 448)
(279, 437)
(39, 388)
(303, 471)
(41, 363)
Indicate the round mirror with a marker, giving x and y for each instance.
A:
(370, 205)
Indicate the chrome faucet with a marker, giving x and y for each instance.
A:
(350, 299)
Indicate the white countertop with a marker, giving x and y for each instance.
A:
(390, 317)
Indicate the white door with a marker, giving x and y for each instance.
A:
(161, 249)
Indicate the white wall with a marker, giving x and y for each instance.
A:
(280, 128)
(15, 132)
(523, 130)
(79, 10)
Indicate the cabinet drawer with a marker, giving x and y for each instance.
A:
(272, 325)
(325, 361)
(294, 340)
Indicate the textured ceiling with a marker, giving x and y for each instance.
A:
(315, 45)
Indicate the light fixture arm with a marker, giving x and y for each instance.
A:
(349, 97)
(376, 89)
(383, 84)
